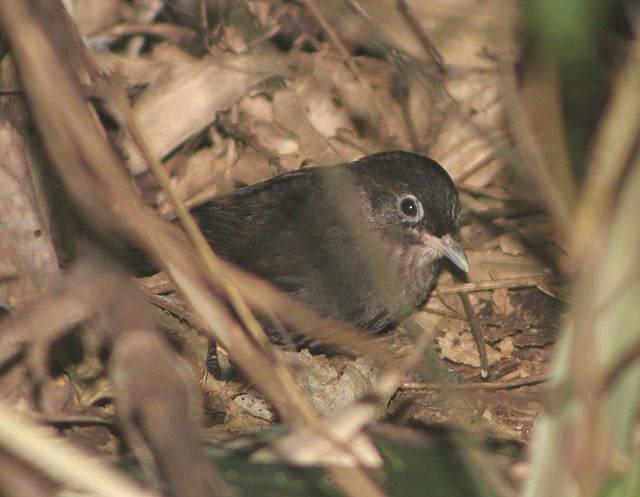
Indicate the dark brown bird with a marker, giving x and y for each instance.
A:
(361, 243)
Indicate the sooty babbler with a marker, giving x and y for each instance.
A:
(361, 242)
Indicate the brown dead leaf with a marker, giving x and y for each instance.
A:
(186, 99)
(252, 168)
(502, 301)
(512, 243)
(28, 258)
(461, 348)
(132, 71)
(93, 15)
(203, 177)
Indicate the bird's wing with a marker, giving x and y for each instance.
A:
(271, 229)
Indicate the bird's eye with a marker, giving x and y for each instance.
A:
(410, 207)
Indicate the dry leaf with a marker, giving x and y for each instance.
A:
(185, 100)
(461, 348)
(26, 250)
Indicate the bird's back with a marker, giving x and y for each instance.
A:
(293, 231)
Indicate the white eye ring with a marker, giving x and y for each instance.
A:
(410, 208)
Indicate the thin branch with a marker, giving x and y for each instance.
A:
(511, 283)
(478, 333)
(484, 385)
(622, 365)
(244, 136)
(431, 49)
(348, 60)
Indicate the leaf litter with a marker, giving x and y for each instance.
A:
(265, 81)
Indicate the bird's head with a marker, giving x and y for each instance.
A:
(413, 205)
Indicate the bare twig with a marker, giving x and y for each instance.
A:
(10, 93)
(478, 334)
(348, 60)
(177, 310)
(483, 286)
(485, 385)
(623, 363)
(431, 49)
(474, 168)
(241, 134)
(170, 32)
(479, 191)
(76, 419)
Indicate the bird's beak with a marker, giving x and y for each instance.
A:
(451, 249)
